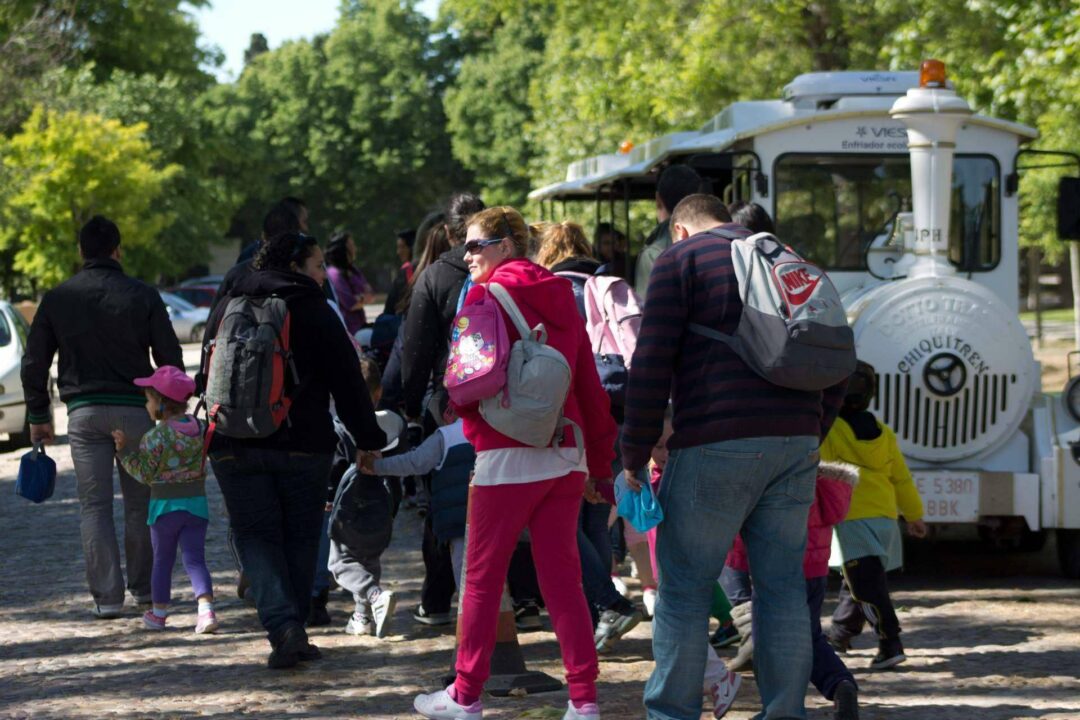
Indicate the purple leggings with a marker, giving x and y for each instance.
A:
(189, 532)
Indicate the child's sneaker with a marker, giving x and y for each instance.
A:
(725, 635)
(207, 623)
(648, 599)
(152, 621)
(723, 693)
(440, 706)
(588, 711)
(382, 609)
(890, 654)
(527, 617)
(614, 623)
(360, 624)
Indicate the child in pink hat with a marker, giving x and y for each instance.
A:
(170, 460)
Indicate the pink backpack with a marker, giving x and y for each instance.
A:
(479, 352)
(613, 319)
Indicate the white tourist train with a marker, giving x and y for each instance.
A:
(909, 200)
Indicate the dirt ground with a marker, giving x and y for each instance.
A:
(990, 636)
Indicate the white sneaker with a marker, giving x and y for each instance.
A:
(619, 584)
(648, 599)
(588, 711)
(723, 693)
(440, 706)
(382, 610)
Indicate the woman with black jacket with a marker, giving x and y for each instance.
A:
(275, 487)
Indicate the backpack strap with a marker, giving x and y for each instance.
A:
(708, 332)
(579, 438)
(465, 287)
(502, 296)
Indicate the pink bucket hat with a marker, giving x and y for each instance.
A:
(171, 382)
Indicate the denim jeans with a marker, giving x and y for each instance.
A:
(764, 486)
(736, 585)
(275, 500)
(829, 670)
(322, 563)
(595, 563)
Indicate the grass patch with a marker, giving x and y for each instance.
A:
(1055, 315)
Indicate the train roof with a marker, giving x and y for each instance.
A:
(809, 98)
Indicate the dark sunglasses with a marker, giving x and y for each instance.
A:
(472, 247)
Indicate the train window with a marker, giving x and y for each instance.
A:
(831, 207)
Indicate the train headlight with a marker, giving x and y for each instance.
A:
(1071, 397)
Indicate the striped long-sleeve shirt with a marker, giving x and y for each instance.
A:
(715, 395)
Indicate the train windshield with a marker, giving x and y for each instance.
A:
(832, 207)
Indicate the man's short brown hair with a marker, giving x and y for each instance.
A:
(700, 209)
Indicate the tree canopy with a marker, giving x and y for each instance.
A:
(374, 122)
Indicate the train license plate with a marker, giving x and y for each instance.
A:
(949, 496)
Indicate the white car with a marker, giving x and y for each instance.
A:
(188, 321)
(13, 332)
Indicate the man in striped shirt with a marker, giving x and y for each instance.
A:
(744, 455)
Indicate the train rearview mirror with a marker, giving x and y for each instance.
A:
(1069, 208)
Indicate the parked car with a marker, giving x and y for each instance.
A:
(197, 295)
(210, 280)
(13, 421)
(188, 321)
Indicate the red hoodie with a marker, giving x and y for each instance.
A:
(832, 496)
(545, 298)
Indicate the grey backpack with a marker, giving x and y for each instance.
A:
(529, 408)
(793, 331)
(249, 369)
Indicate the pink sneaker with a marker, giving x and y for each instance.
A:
(207, 622)
(723, 693)
(588, 711)
(152, 621)
(440, 706)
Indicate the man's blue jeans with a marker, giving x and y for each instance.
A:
(275, 500)
(764, 486)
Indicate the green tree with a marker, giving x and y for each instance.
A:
(63, 168)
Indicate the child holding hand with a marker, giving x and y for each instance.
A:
(170, 460)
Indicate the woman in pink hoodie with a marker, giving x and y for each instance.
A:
(516, 486)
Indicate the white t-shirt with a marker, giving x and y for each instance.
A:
(514, 466)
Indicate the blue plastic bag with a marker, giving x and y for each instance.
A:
(37, 475)
(640, 509)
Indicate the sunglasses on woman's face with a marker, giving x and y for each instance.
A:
(472, 247)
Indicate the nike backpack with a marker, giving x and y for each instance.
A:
(793, 331)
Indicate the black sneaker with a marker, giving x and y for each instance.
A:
(846, 701)
(840, 645)
(527, 617)
(318, 615)
(614, 623)
(725, 635)
(424, 617)
(309, 652)
(286, 653)
(890, 654)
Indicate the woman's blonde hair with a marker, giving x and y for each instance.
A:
(561, 241)
(504, 222)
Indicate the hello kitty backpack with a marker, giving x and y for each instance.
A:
(479, 352)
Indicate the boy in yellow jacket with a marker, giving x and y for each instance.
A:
(869, 537)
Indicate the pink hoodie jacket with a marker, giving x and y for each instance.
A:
(545, 298)
(832, 496)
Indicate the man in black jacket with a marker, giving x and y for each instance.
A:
(105, 326)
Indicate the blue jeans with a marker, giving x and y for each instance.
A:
(275, 501)
(764, 486)
(829, 670)
(736, 585)
(322, 566)
(596, 556)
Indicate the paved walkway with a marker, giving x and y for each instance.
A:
(990, 638)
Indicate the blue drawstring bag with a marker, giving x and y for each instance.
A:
(37, 475)
(640, 509)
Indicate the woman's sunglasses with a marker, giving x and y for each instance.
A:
(472, 247)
